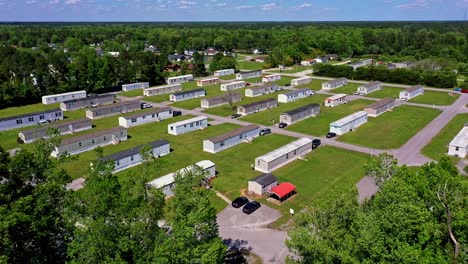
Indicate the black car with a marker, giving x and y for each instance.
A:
(265, 132)
(239, 202)
(315, 143)
(330, 135)
(234, 116)
(251, 207)
(176, 113)
(282, 125)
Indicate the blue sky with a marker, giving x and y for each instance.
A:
(230, 10)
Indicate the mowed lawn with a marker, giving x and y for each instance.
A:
(271, 116)
(392, 129)
(250, 65)
(438, 147)
(315, 85)
(26, 109)
(350, 88)
(132, 93)
(320, 125)
(436, 98)
(386, 92)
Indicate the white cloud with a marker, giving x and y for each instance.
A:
(53, 2)
(72, 2)
(414, 4)
(221, 4)
(268, 7)
(329, 9)
(185, 3)
(305, 5)
(244, 7)
(185, 7)
(31, 2)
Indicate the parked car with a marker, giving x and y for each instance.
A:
(330, 135)
(464, 90)
(234, 116)
(247, 84)
(239, 202)
(315, 143)
(145, 105)
(458, 89)
(282, 125)
(251, 207)
(43, 122)
(265, 132)
(357, 93)
(92, 95)
(176, 113)
(280, 89)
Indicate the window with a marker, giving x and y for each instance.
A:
(295, 151)
(287, 156)
(258, 163)
(222, 143)
(131, 158)
(105, 138)
(80, 144)
(172, 128)
(41, 117)
(144, 117)
(121, 133)
(92, 141)
(19, 121)
(58, 114)
(31, 119)
(117, 162)
(133, 120)
(152, 115)
(457, 148)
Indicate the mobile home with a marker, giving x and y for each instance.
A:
(231, 139)
(258, 106)
(411, 92)
(223, 72)
(336, 100)
(140, 118)
(294, 95)
(189, 125)
(301, 81)
(333, 84)
(208, 81)
(271, 78)
(369, 88)
(164, 89)
(248, 74)
(186, 95)
(458, 147)
(259, 91)
(300, 113)
(91, 101)
(58, 98)
(135, 86)
(380, 107)
(180, 79)
(221, 100)
(113, 109)
(13, 122)
(348, 123)
(70, 127)
(232, 86)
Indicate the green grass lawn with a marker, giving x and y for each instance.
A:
(392, 129)
(26, 109)
(253, 80)
(315, 85)
(227, 77)
(434, 97)
(385, 92)
(132, 93)
(211, 91)
(295, 69)
(271, 116)
(350, 88)
(284, 80)
(320, 125)
(248, 65)
(438, 147)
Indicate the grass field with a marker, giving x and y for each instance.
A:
(227, 77)
(392, 129)
(26, 109)
(247, 65)
(315, 85)
(132, 93)
(385, 92)
(295, 69)
(320, 125)
(350, 88)
(438, 147)
(271, 116)
(436, 98)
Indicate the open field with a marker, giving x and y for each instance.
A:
(271, 116)
(350, 88)
(436, 98)
(132, 93)
(26, 109)
(392, 129)
(227, 77)
(284, 80)
(247, 65)
(438, 147)
(315, 85)
(320, 125)
(386, 92)
(295, 69)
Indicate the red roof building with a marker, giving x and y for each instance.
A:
(283, 191)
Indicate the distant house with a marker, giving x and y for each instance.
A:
(140, 118)
(348, 123)
(179, 79)
(332, 56)
(134, 86)
(401, 65)
(262, 184)
(294, 95)
(308, 62)
(172, 67)
(361, 63)
(132, 157)
(258, 106)
(58, 98)
(90, 141)
(301, 81)
(369, 88)
(411, 92)
(257, 51)
(248, 74)
(70, 127)
(336, 100)
(166, 183)
(380, 107)
(224, 72)
(207, 81)
(185, 95)
(261, 59)
(151, 48)
(178, 58)
(221, 100)
(271, 78)
(210, 51)
(189, 125)
(231, 139)
(321, 59)
(189, 52)
(332, 84)
(284, 155)
(261, 90)
(114, 53)
(164, 89)
(458, 147)
(13, 122)
(113, 109)
(292, 116)
(232, 86)
(91, 101)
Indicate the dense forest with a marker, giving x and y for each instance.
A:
(46, 58)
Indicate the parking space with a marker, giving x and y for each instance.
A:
(234, 217)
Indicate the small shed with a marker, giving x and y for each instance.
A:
(283, 191)
(262, 184)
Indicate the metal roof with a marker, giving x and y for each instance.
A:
(273, 155)
(381, 103)
(62, 94)
(105, 107)
(336, 96)
(274, 86)
(184, 122)
(134, 150)
(233, 133)
(367, 85)
(265, 179)
(461, 139)
(30, 114)
(245, 72)
(345, 120)
(164, 86)
(258, 102)
(169, 178)
(301, 109)
(414, 88)
(100, 96)
(42, 130)
(297, 91)
(235, 95)
(339, 80)
(190, 92)
(152, 111)
(76, 139)
(180, 77)
(283, 189)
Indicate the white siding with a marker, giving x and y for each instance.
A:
(135, 86)
(271, 78)
(232, 86)
(58, 98)
(188, 125)
(459, 145)
(348, 123)
(180, 79)
(224, 72)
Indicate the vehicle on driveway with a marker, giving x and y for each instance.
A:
(330, 135)
(239, 202)
(145, 105)
(265, 132)
(176, 113)
(282, 125)
(316, 143)
(234, 116)
(357, 93)
(251, 207)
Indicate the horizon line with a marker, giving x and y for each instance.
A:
(225, 21)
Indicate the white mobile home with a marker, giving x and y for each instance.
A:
(361, 63)
(113, 109)
(262, 184)
(189, 125)
(223, 99)
(284, 155)
(411, 92)
(231, 139)
(12, 122)
(91, 101)
(301, 81)
(69, 127)
(259, 91)
(300, 113)
(294, 95)
(232, 86)
(333, 84)
(348, 123)
(164, 89)
(258, 106)
(58, 98)
(380, 107)
(166, 182)
(135, 86)
(223, 72)
(208, 81)
(186, 95)
(154, 115)
(458, 147)
(180, 79)
(369, 88)
(271, 78)
(336, 100)
(248, 74)
(132, 157)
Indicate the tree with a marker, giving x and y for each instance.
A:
(382, 168)
(198, 64)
